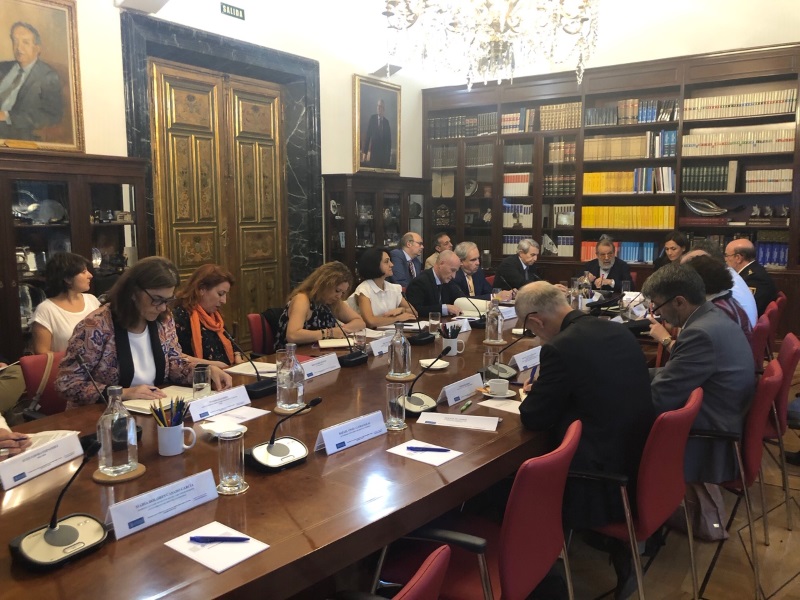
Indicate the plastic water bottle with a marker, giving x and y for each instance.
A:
(116, 430)
(399, 353)
(494, 322)
(486, 260)
(290, 381)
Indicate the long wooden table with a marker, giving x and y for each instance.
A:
(317, 518)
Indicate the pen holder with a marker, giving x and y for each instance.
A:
(456, 346)
(171, 440)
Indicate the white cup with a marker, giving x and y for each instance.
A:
(456, 346)
(170, 440)
(497, 387)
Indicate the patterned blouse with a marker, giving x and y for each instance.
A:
(212, 345)
(321, 318)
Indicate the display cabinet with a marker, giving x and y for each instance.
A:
(53, 202)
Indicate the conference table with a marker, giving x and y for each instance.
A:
(317, 518)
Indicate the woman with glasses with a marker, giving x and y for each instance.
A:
(130, 341)
(316, 305)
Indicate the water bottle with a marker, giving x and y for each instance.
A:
(116, 431)
(399, 353)
(290, 381)
(486, 260)
(494, 322)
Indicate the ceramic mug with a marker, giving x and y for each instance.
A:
(456, 346)
(170, 440)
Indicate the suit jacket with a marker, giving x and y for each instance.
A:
(711, 352)
(593, 370)
(38, 104)
(511, 275)
(400, 273)
(424, 296)
(378, 142)
(756, 277)
(482, 288)
(620, 271)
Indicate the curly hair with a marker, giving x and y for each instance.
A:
(323, 280)
(205, 277)
(60, 267)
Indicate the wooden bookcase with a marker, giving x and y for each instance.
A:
(621, 154)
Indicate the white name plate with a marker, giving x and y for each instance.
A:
(350, 433)
(380, 346)
(321, 365)
(462, 421)
(160, 504)
(462, 322)
(508, 312)
(527, 359)
(460, 390)
(48, 450)
(218, 403)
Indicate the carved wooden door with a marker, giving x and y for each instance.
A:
(218, 184)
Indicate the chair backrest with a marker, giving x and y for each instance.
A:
(788, 357)
(427, 581)
(773, 316)
(33, 371)
(490, 280)
(756, 421)
(634, 279)
(660, 484)
(781, 301)
(262, 335)
(532, 536)
(758, 341)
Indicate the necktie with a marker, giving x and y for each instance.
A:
(439, 292)
(470, 285)
(525, 272)
(411, 269)
(14, 84)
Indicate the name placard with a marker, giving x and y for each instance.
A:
(352, 432)
(321, 365)
(508, 312)
(527, 359)
(462, 322)
(460, 390)
(144, 510)
(48, 450)
(380, 346)
(218, 403)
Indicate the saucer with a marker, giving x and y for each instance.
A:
(509, 394)
(433, 365)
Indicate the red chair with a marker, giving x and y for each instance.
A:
(634, 279)
(39, 372)
(262, 338)
(516, 555)
(660, 486)
(490, 280)
(772, 313)
(759, 341)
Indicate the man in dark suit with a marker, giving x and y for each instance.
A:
(607, 272)
(406, 262)
(517, 270)
(741, 256)
(376, 150)
(434, 290)
(470, 277)
(30, 90)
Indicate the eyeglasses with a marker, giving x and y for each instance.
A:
(158, 300)
(525, 331)
(664, 303)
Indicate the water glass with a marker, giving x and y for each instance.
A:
(490, 359)
(231, 463)
(395, 409)
(201, 381)
(360, 340)
(434, 319)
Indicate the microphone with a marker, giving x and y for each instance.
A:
(502, 370)
(61, 540)
(260, 388)
(423, 338)
(355, 357)
(283, 453)
(596, 306)
(85, 368)
(422, 402)
(480, 322)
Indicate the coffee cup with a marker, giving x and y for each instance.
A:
(497, 387)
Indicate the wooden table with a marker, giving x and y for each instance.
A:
(317, 518)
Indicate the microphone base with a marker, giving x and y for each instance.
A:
(418, 403)
(421, 339)
(261, 389)
(353, 359)
(494, 342)
(45, 548)
(285, 453)
(502, 371)
(478, 324)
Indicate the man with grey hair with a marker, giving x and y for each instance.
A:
(406, 262)
(607, 272)
(433, 290)
(741, 256)
(470, 277)
(517, 270)
(710, 352)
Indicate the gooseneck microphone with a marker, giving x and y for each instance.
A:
(260, 388)
(86, 370)
(61, 540)
(421, 402)
(502, 370)
(355, 357)
(282, 453)
(423, 338)
(480, 322)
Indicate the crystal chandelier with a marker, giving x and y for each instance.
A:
(491, 39)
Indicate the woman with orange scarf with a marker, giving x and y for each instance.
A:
(201, 330)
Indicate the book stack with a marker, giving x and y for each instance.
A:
(741, 105)
(516, 184)
(739, 140)
(560, 116)
(627, 217)
(768, 180)
(517, 215)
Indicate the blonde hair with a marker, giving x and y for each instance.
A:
(324, 279)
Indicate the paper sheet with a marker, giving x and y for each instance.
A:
(431, 458)
(173, 392)
(511, 406)
(245, 368)
(218, 556)
(240, 415)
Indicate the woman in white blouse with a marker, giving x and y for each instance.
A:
(68, 279)
(379, 301)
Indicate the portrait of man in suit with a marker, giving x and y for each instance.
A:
(377, 117)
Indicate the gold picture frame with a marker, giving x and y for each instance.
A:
(376, 138)
(41, 37)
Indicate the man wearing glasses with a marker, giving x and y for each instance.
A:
(406, 262)
(606, 272)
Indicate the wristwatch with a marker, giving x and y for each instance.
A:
(666, 342)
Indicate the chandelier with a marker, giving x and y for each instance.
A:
(491, 39)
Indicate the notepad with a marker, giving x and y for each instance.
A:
(221, 556)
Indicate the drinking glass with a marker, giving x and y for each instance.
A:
(201, 381)
(395, 409)
(490, 358)
(434, 319)
(231, 463)
(360, 343)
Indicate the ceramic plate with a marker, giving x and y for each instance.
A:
(470, 187)
(429, 363)
(508, 394)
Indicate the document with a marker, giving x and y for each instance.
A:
(462, 421)
(245, 368)
(430, 458)
(173, 392)
(217, 556)
(511, 406)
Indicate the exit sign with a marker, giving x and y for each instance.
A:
(231, 11)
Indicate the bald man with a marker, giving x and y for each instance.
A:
(434, 289)
(741, 257)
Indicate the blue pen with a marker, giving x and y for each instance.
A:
(533, 373)
(426, 449)
(210, 539)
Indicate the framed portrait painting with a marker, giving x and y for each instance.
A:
(40, 99)
(376, 118)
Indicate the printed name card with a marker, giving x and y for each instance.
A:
(139, 512)
(48, 450)
(380, 346)
(321, 365)
(460, 390)
(462, 421)
(508, 312)
(463, 322)
(527, 359)
(218, 403)
(352, 432)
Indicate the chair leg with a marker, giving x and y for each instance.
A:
(784, 473)
(756, 576)
(637, 561)
(377, 578)
(764, 514)
(486, 581)
(567, 572)
(692, 562)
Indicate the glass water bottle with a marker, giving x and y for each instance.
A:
(290, 381)
(116, 431)
(399, 354)
(494, 322)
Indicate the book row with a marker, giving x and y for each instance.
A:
(479, 155)
(768, 180)
(739, 141)
(644, 180)
(561, 151)
(459, 126)
(632, 110)
(741, 105)
(517, 122)
(560, 116)
(444, 157)
(642, 252)
(517, 215)
(516, 184)
(518, 154)
(710, 178)
(648, 145)
(627, 217)
(559, 184)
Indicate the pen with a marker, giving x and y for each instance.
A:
(467, 404)
(426, 449)
(533, 373)
(210, 539)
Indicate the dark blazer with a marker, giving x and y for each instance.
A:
(711, 352)
(758, 279)
(424, 296)
(611, 396)
(620, 271)
(400, 272)
(38, 104)
(378, 142)
(511, 275)
(483, 290)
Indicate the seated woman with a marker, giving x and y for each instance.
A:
(201, 330)
(676, 244)
(68, 279)
(380, 302)
(315, 306)
(130, 341)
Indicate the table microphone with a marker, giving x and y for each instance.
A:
(423, 338)
(480, 322)
(502, 370)
(422, 402)
(86, 370)
(64, 539)
(261, 387)
(282, 453)
(355, 357)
